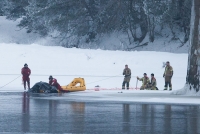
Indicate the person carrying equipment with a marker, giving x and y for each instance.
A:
(26, 72)
(168, 76)
(145, 81)
(127, 77)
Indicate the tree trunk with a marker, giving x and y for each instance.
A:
(193, 71)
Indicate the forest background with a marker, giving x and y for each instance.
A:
(157, 25)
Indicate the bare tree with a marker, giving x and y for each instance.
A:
(193, 72)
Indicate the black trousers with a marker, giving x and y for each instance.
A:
(168, 84)
(125, 83)
(28, 83)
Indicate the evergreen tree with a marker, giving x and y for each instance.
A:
(74, 21)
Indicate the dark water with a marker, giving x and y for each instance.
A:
(23, 113)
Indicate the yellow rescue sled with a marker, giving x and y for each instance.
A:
(78, 84)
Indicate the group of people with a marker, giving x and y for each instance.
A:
(26, 72)
(149, 84)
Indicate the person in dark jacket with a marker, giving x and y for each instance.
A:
(26, 72)
(127, 77)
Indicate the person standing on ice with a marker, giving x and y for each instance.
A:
(127, 77)
(168, 73)
(26, 72)
(145, 81)
(53, 82)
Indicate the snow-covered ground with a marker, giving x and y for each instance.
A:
(98, 67)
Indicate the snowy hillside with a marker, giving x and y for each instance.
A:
(10, 33)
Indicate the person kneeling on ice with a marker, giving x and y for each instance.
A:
(53, 82)
(153, 83)
(145, 81)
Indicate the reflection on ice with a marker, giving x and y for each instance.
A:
(39, 115)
